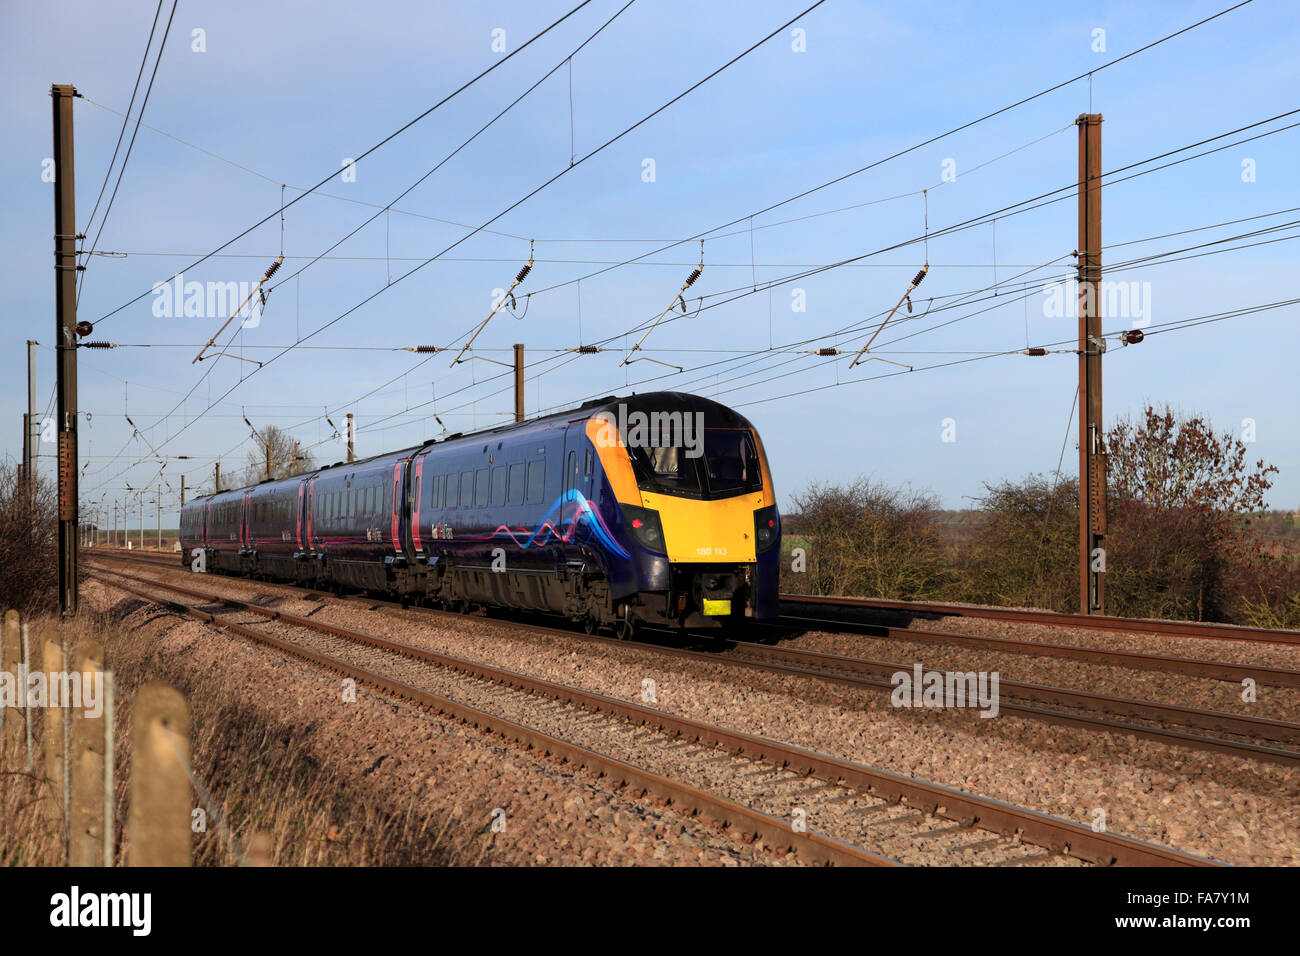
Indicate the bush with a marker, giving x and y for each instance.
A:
(29, 570)
(866, 538)
(1025, 552)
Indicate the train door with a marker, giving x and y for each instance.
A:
(416, 468)
(311, 491)
(572, 496)
(398, 505)
(302, 497)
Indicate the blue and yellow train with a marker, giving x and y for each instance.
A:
(656, 508)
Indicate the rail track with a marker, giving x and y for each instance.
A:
(1137, 660)
(789, 623)
(1099, 622)
(966, 810)
(1232, 734)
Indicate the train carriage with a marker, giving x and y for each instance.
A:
(654, 508)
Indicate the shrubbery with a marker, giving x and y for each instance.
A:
(28, 544)
(1179, 540)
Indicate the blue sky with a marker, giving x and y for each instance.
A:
(291, 90)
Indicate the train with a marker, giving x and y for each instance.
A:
(651, 509)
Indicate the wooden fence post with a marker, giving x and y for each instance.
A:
(86, 759)
(11, 727)
(52, 739)
(159, 824)
(27, 711)
(110, 753)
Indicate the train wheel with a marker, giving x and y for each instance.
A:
(626, 629)
(591, 624)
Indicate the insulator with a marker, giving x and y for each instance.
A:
(1132, 337)
(84, 329)
(695, 274)
(587, 349)
(920, 275)
(426, 348)
(828, 351)
(909, 305)
(275, 267)
(523, 273)
(98, 345)
(1036, 351)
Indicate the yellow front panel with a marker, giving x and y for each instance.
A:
(707, 531)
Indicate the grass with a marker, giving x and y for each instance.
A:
(272, 798)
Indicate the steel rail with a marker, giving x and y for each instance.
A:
(1037, 828)
(1231, 671)
(877, 675)
(744, 823)
(1100, 622)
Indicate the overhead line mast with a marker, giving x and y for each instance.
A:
(1092, 460)
(65, 340)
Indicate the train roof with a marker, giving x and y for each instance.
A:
(660, 401)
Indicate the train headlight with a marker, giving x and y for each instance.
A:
(767, 527)
(645, 527)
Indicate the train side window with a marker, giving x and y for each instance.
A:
(481, 488)
(517, 483)
(436, 497)
(498, 486)
(536, 481)
(452, 483)
(466, 489)
(573, 469)
(586, 463)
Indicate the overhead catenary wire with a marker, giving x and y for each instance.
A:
(108, 173)
(381, 211)
(1168, 37)
(926, 237)
(500, 61)
(131, 145)
(676, 300)
(587, 156)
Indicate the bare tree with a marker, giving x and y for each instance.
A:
(28, 543)
(1172, 460)
(1183, 495)
(285, 455)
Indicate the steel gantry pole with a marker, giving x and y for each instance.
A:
(65, 342)
(31, 430)
(519, 382)
(1092, 460)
